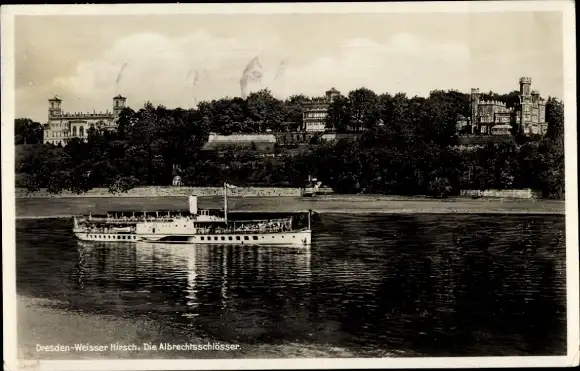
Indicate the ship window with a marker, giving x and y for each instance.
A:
(202, 238)
(255, 238)
(215, 238)
(293, 236)
(153, 230)
(223, 238)
(230, 238)
(237, 238)
(246, 238)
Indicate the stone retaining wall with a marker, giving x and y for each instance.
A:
(502, 193)
(171, 191)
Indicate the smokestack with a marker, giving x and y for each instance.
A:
(193, 205)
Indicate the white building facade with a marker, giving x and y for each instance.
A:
(64, 126)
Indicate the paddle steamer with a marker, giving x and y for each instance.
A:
(193, 227)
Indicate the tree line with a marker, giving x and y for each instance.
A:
(406, 146)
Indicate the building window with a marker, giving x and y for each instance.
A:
(74, 131)
(81, 131)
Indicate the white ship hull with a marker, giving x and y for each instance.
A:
(300, 238)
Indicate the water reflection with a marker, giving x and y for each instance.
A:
(204, 285)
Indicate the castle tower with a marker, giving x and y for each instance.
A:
(118, 104)
(525, 86)
(54, 107)
(525, 102)
(474, 101)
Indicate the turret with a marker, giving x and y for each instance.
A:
(474, 107)
(118, 104)
(525, 85)
(54, 107)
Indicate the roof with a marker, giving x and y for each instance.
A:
(55, 99)
(119, 97)
(258, 146)
(470, 140)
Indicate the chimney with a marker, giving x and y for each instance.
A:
(193, 205)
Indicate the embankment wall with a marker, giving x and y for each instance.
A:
(502, 193)
(170, 191)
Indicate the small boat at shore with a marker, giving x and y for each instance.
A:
(194, 227)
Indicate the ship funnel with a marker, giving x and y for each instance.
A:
(193, 205)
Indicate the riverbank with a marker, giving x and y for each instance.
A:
(44, 322)
(351, 204)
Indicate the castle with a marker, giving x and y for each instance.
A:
(64, 126)
(493, 117)
(316, 110)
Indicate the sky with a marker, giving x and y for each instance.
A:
(179, 60)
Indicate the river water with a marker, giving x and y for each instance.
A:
(399, 285)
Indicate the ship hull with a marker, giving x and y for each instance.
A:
(299, 238)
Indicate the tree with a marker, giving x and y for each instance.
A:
(265, 110)
(551, 169)
(438, 119)
(363, 109)
(338, 116)
(555, 120)
(27, 131)
(293, 109)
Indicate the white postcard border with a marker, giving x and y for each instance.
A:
(8, 190)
